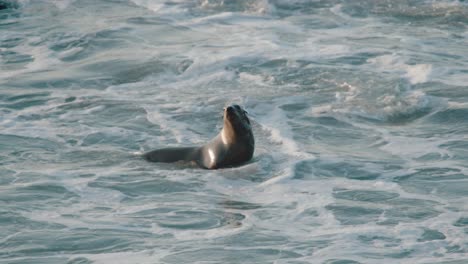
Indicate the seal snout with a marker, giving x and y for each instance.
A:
(234, 109)
(233, 113)
(230, 109)
(235, 119)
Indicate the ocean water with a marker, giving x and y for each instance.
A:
(359, 108)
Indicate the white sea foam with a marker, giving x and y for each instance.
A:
(143, 257)
(249, 6)
(280, 132)
(390, 104)
(418, 73)
(415, 74)
(320, 112)
(166, 124)
(42, 59)
(62, 4)
(155, 6)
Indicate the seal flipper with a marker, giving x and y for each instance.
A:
(172, 154)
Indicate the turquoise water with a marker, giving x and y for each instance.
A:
(360, 113)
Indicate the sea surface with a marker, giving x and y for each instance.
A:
(359, 110)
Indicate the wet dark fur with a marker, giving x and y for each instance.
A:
(238, 148)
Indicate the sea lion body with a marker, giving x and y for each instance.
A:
(233, 145)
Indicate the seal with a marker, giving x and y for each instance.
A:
(233, 145)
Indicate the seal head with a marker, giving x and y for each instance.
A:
(233, 145)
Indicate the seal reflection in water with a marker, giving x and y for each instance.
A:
(233, 146)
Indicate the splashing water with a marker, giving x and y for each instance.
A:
(359, 111)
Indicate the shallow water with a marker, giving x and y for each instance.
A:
(360, 112)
